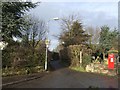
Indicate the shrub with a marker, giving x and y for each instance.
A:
(20, 56)
(86, 60)
(64, 55)
(22, 71)
(71, 54)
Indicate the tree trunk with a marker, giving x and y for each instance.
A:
(103, 56)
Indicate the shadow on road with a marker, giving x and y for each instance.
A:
(55, 65)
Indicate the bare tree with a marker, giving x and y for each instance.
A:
(95, 33)
(34, 35)
(36, 31)
(67, 22)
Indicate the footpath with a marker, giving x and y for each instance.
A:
(21, 78)
(10, 80)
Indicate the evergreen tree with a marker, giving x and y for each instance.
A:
(75, 35)
(104, 37)
(108, 38)
(13, 23)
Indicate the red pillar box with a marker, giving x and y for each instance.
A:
(111, 61)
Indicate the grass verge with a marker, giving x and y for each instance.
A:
(81, 69)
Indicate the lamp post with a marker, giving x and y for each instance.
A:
(47, 42)
(46, 57)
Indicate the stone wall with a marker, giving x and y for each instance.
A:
(100, 68)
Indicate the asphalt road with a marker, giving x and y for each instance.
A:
(66, 78)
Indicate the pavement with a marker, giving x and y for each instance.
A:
(21, 78)
(10, 80)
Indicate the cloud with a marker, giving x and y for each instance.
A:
(95, 14)
(100, 19)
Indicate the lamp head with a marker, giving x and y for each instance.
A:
(56, 18)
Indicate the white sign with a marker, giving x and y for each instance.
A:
(47, 42)
(111, 60)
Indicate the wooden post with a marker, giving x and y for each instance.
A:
(103, 56)
(80, 58)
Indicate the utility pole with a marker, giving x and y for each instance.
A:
(46, 57)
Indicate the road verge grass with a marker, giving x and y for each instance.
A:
(80, 69)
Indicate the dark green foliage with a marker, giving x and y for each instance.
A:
(71, 55)
(86, 59)
(6, 58)
(75, 41)
(64, 55)
(108, 39)
(7, 54)
(18, 56)
(75, 35)
(55, 56)
(13, 23)
(104, 36)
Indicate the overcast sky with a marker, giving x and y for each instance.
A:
(92, 14)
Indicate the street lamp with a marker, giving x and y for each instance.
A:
(56, 18)
(47, 42)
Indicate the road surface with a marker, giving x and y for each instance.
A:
(67, 78)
